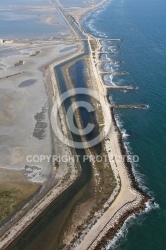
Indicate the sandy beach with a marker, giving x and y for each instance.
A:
(128, 197)
(80, 13)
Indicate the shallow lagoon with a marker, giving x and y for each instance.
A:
(20, 21)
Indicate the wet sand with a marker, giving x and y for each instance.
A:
(130, 198)
(36, 68)
(22, 97)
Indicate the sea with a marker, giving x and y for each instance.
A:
(142, 26)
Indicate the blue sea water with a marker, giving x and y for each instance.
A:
(142, 26)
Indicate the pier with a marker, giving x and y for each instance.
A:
(139, 106)
(114, 73)
(112, 61)
(111, 39)
(109, 52)
(111, 47)
(121, 87)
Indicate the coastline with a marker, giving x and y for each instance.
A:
(105, 234)
(81, 14)
(135, 198)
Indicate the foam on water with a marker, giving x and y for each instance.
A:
(111, 67)
(89, 20)
(144, 59)
(124, 133)
(121, 235)
(139, 177)
(109, 80)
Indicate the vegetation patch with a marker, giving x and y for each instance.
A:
(13, 195)
(93, 44)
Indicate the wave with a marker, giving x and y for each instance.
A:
(124, 133)
(111, 67)
(121, 235)
(90, 19)
(108, 79)
(140, 178)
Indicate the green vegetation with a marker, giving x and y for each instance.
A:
(12, 195)
(93, 44)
